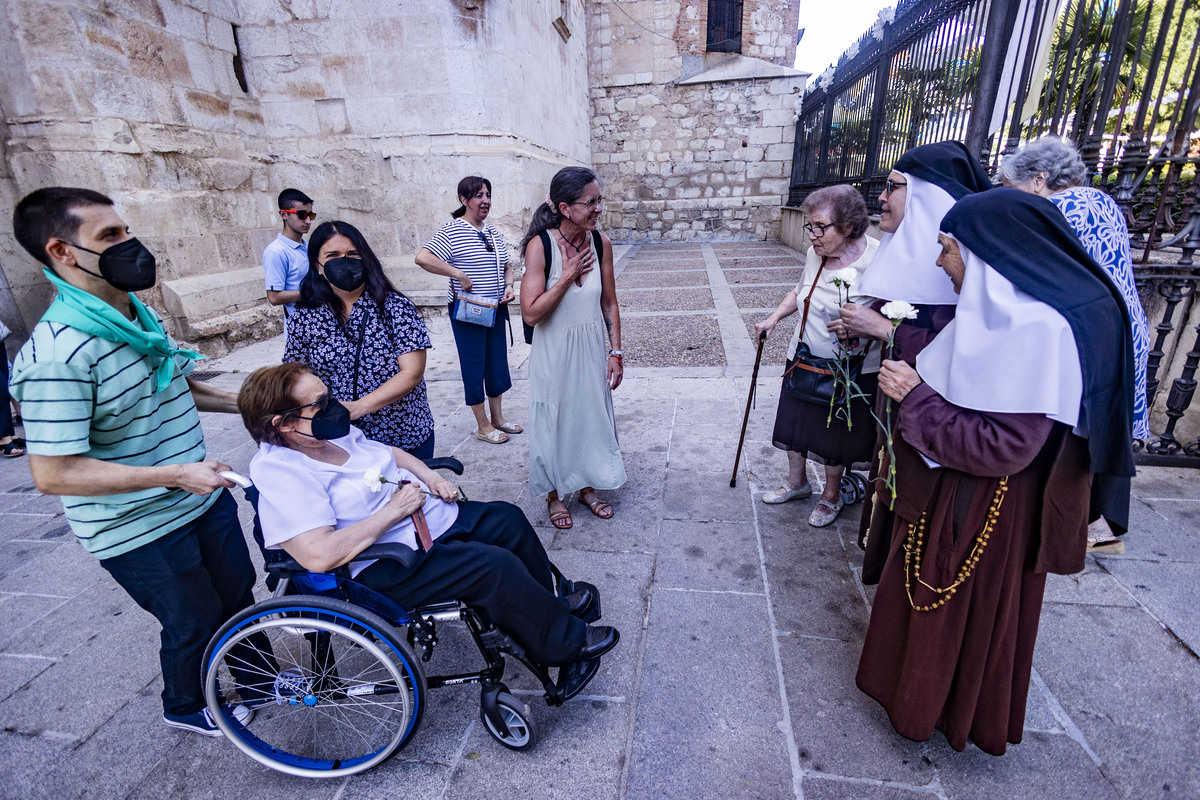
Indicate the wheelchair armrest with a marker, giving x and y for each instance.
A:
(452, 464)
(392, 550)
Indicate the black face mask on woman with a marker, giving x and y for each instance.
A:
(346, 273)
(127, 266)
(332, 420)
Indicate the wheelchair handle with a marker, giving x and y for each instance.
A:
(234, 477)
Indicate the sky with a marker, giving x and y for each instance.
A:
(830, 26)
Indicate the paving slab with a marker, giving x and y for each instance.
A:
(712, 556)
(664, 279)
(1169, 591)
(1042, 767)
(1109, 669)
(709, 674)
(693, 340)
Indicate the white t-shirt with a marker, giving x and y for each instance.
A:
(298, 494)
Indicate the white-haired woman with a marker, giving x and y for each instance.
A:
(1053, 169)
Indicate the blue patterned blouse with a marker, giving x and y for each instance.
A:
(1098, 221)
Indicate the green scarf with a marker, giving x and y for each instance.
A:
(90, 314)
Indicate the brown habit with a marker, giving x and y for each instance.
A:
(964, 667)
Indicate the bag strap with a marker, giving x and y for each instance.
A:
(362, 337)
(599, 243)
(808, 299)
(545, 237)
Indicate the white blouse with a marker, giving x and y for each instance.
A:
(298, 494)
(825, 299)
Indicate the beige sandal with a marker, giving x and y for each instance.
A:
(559, 519)
(597, 506)
(492, 437)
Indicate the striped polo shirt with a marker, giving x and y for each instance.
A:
(461, 245)
(83, 395)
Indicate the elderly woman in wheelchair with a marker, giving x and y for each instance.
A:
(353, 513)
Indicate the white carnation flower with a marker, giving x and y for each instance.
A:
(374, 479)
(898, 310)
(847, 276)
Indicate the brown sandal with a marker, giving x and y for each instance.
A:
(558, 517)
(597, 506)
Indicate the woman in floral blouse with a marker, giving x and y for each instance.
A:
(363, 339)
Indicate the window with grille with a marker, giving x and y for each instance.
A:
(724, 26)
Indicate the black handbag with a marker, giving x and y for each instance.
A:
(812, 379)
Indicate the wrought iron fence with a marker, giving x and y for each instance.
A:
(1120, 79)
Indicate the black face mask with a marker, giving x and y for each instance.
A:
(332, 420)
(127, 266)
(345, 273)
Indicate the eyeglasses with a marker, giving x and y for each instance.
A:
(300, 215)
(323, 402)
(890, 186)
(486, 242)
(598, 202)
(817, 230)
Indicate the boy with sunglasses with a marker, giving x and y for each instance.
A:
(285, 261)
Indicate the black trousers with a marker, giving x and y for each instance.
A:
(492, 560)
(192, 580)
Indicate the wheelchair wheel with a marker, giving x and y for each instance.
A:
(335, 691)
(522, 729)
(853, 487)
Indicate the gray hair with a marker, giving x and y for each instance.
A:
(845, 206)
(1051, 155)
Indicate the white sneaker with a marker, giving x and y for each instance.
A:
(202, 721)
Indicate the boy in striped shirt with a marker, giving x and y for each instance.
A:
(113, 427)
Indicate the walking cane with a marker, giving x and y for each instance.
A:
(762, 338)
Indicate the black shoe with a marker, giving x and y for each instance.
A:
(581, 602)
(599, 640)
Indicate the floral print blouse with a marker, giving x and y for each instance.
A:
(328, 348)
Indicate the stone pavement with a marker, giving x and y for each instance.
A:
(741, 626)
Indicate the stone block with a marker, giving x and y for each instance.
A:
(219, 34)
(765, 169)
(181, 20)
(135, 99)
(198, 297)
(780, 152)
(290, 118)
(778, 187)
(264, 40)
(765, 136)
(331, 114)
(724, 726)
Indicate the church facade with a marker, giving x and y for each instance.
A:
(194, 114)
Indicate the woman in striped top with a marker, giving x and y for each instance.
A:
(474, 257)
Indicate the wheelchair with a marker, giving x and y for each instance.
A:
(331, 667)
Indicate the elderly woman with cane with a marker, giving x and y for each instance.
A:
(841, 250)
(993, 478)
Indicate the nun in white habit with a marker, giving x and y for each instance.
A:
(922, 186)
(1011, 413)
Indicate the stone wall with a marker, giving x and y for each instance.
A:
(691, 144)
(376, 110)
